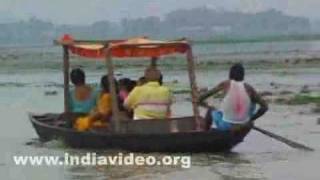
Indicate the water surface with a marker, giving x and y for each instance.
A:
(23, 89)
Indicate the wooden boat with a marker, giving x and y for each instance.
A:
(135, 135)
(142, 136)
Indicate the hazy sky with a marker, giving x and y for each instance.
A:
(88, 11)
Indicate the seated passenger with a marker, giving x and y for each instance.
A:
(100, 117)
(82, 97)
(151, 100)
(126, 85)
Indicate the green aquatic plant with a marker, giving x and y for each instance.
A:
(304, 99)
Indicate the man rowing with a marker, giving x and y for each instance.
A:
(238, 106)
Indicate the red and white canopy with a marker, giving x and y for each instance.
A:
(133, 47)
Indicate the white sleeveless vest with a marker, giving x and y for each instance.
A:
(236, 104)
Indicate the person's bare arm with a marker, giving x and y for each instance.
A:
(205, 96)
(256, 98)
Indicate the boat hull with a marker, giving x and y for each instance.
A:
(209, 141)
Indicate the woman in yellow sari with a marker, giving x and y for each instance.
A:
(101, 115)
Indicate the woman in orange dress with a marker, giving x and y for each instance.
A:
(101, 115)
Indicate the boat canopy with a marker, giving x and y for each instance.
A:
(133, 47)
(140, 47)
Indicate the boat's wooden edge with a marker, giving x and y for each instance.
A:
(34, 120)
(37, 122)
(217, 141)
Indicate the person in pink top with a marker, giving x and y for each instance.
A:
(125, 87)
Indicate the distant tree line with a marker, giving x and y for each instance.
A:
(198, 23)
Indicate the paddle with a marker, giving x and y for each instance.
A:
(280, 138)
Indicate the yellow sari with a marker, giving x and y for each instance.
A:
(103, 107)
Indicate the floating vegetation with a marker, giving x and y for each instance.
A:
(178, 88)
(289, 98)
(266, 93)
(303, 99)
(285, 92)
(51, 93)
(13, 84)
(181, 91)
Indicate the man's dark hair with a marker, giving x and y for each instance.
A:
(77, 76)
(127, 83)
(105, 83)
(132, 84)
(237, 72)
(124, 82)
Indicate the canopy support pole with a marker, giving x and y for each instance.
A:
(66, 65)
(115, 107)
(154, 62)
(194, 89)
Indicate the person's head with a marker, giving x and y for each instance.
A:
(152, 74)
(105, 83)
(237, 72)
(123, 83)
(77, 77)
(131, 85)
(126, 84)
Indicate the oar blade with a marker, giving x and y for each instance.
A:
(283, 139)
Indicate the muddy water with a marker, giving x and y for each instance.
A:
(258, 157)
(27, 74)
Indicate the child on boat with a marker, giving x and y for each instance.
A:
(100, 117)
(238, 104)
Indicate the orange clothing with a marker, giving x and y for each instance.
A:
(103, 107)
(104, 104)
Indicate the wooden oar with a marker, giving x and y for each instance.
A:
(282, 139)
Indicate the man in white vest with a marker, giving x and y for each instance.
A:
(238, 107)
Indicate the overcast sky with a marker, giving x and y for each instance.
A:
(88, 11)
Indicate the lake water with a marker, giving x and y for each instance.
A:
(23, 87)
